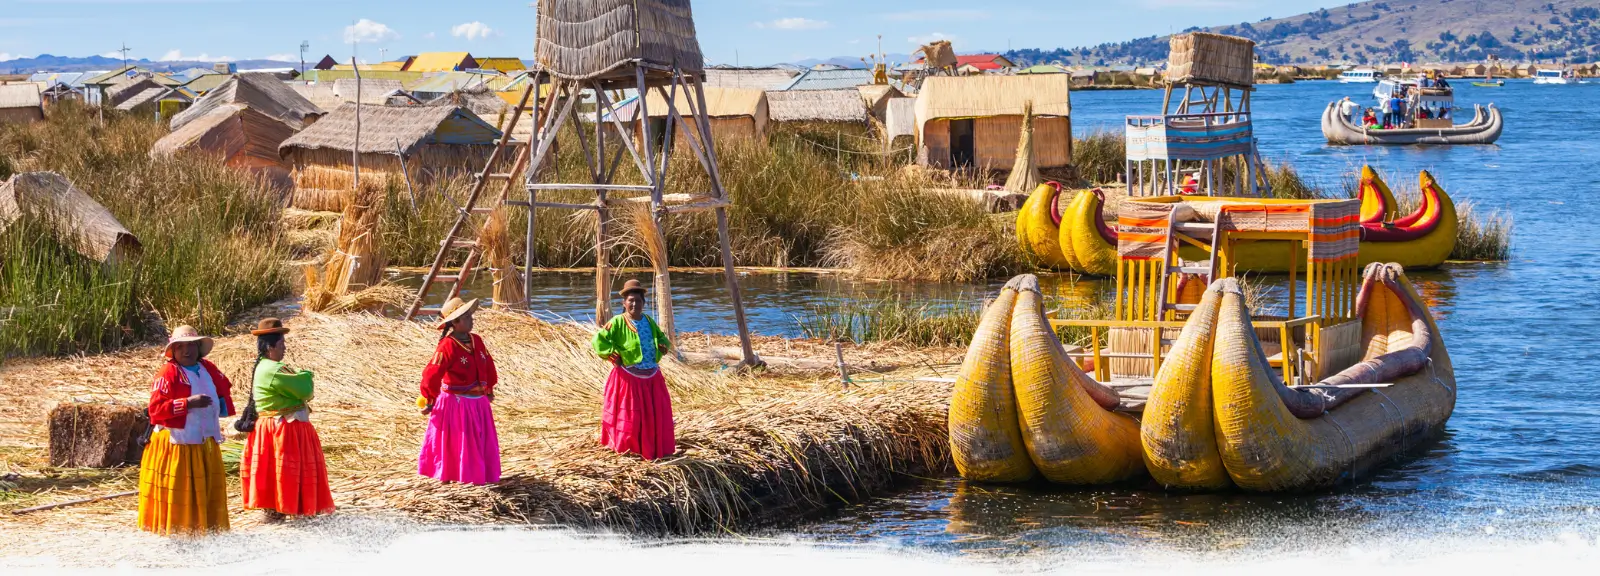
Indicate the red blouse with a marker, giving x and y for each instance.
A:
(457, 368)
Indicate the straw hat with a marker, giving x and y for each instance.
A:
(269, 326)
(631, 286)
(187, 333)
(454, 309)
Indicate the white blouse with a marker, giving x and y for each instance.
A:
(200, 423)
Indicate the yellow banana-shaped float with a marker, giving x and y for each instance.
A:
(1093, 243)
(985, 438)
(1268, 437)
(1038, 227)
(1424, 239)
(1068, 425)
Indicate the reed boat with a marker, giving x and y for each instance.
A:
(1484, 128)
(1021, 407)
(1351, 375)
(1086, 244)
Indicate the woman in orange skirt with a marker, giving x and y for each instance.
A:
(283, 471)
(182, 487)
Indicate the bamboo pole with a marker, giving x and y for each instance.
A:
(355, 151)
(732, 278)
(658, 209)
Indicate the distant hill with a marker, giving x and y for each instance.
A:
(50, 63)
(1389, 31)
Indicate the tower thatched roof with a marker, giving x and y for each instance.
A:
(591, 39)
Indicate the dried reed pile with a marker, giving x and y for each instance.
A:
(1025, 174)
(497, 254)
(754, 450)
(357, 261)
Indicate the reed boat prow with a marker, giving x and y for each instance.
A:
(1485, 128)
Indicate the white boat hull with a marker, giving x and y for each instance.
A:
(1484, 128)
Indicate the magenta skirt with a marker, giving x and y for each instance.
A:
(637, 415)
(461, 444)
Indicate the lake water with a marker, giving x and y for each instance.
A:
(1515, 476)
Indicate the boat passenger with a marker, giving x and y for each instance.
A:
(283, 471)
(1422, 113)
(1442, 84)
(183, 489)
(1369, 119)
(1349, 108)
(637, 413)
(461, 444)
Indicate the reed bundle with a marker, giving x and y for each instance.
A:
(357, 261)
(1024, 175)
(752, 450)
(496, 244)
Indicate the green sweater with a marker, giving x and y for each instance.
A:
(281, 389)
(620, 338)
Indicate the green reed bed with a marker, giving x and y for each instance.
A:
(211, 237)
(890, 318)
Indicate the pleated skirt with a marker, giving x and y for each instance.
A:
(283, 469)
(636, 417)
(182, 487)
(461, 444)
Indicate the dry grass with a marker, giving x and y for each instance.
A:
(754, 449)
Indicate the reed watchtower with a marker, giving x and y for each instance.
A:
(1207, 130)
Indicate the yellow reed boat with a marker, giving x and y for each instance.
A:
(1352, 373)
(1077, 237)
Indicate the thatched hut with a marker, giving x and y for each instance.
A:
(975, 121)
(900, 118)
(735, 114)
(245, 137)
(127, 89)
(425, 142)
(818, 106)
(20, 104)
(372, 92)
(263, 92)
(876, 98)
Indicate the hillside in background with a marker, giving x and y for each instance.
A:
(1390, 31)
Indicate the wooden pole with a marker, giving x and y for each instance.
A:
(73, 502)
(732, 277)
(531, 177)
(658, 209)
(355, 151)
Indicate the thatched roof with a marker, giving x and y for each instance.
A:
(373, 92)
(817, 106)
(264, 92)
(320, 94)
(146, 96)
(875, 93)
(386, 128)
(979, 96)
(20, 96)
(901, 118)
(585, 39)
(122, 91)
(757, 78)
(1203, 57)
(481, 101)
(230, 130)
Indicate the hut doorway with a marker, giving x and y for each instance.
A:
(962, 154)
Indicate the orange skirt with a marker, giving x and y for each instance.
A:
(283, 469)
(182, 487)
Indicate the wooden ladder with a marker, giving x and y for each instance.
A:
(1171, 264)
(455, 240)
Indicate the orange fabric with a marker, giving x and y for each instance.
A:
(283, 469)
(182, 488)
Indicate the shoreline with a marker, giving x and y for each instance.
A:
(755, 450)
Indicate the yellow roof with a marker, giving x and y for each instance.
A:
(439, 61)
(377, 67)
(501, 64)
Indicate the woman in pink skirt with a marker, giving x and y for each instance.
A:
(457, 387)
(637, 414)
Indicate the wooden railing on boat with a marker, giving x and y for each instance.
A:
(1299, 360)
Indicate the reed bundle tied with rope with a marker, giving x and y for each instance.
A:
(355, 265)
(1024, 175)
(495, 241)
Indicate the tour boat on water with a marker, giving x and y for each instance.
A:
(1359, 76)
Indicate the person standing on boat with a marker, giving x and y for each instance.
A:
(637, 412)
(1350, 109)
(461, 444)
(283, 471)
(182, 487)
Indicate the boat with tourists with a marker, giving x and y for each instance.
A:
(1359, 76)
(1412, 110)
(1197, 385)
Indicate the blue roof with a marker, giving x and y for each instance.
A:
(835, 80)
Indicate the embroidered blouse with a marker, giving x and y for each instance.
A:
(457, 368)
(624, 338)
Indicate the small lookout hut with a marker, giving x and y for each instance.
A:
(976, 121)
(424, 142)
(1201, 143)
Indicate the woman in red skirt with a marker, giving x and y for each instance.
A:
(637, 414)
(283, 471)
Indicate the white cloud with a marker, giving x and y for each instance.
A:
(112, 54)
(365, 31)
(6, 56)
(793, 24)
(175, 55)
(926, 38)
(937, 14)
(429, 36)
(282, 58)
(471, 30)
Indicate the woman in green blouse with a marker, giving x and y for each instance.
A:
(637, 413)
(283, 471)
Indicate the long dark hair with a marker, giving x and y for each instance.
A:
(247, 418)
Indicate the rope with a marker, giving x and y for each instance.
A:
(1349, 444)
(858, 153)
(1399, 416)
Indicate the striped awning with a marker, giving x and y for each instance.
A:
(1332, 228)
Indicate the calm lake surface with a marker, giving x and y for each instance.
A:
(1519, 463)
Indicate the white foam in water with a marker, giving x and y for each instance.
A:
(356, 545)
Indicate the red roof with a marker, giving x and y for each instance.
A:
(979, 61)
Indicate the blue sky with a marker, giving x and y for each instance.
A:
(748, 32)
